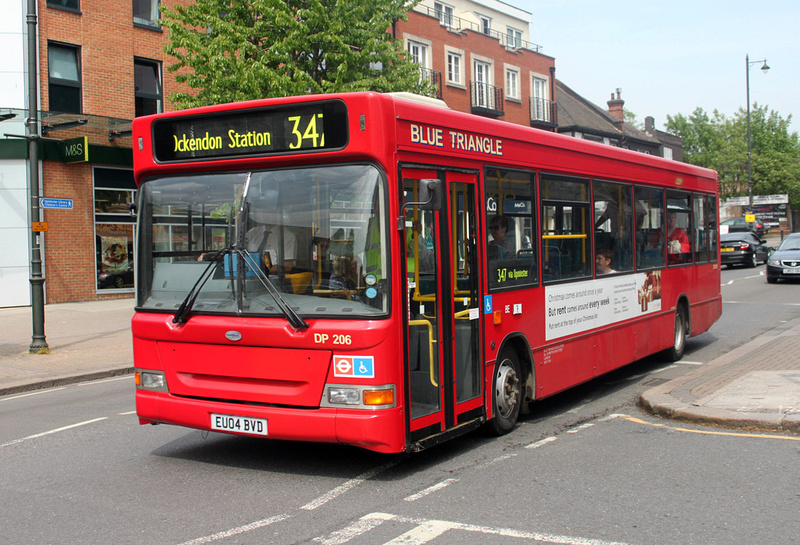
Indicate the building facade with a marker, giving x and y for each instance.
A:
(479, 55)
(102, 63)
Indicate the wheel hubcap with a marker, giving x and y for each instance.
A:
(507, 389)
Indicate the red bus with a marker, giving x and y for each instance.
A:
(374, 270)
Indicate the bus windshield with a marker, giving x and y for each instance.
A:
(227, 241)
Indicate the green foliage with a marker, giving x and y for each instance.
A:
(720, 143)
(234, 50)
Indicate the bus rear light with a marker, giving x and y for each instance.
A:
(379, 397)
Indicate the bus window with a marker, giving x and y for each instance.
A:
(566, 224)
(679, 225)
(510, 252)
(711, 206)
(701, 240)
(613, 219)
(649, 227)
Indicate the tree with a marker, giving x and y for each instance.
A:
(234, 50)
(720, 143)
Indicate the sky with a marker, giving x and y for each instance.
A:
(671, 57)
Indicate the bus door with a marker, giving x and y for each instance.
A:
(445, 381)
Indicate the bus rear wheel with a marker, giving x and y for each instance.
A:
(506, 393)
(679, 339)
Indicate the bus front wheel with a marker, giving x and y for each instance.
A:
(506, 393)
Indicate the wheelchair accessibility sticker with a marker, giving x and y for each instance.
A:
(354, 366)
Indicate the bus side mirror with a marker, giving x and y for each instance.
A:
(430, 194)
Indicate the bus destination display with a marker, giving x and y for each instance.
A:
(297, 128)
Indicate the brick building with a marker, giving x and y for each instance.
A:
(102, 63)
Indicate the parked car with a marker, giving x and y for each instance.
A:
(743, 249)
(785, 261)
(739, 225)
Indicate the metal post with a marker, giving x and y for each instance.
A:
(749, 162)
(38, 342)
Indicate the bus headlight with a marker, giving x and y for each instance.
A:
(151, 380)
(369, 397)
(344, 396)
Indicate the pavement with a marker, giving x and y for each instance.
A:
(755, 386)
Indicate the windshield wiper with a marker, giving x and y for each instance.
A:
(182, 316)
(294, 319)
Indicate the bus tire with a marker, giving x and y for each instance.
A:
(675, 353)
(506, 393)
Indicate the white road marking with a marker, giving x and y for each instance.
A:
(580, 428)
(426, 530)
(430, 490)
(93, 382)
(541, 442)
(235, 531)
(38, 392)
(15, 441)
(339, 490)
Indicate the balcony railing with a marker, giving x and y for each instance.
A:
(543, 113)
(486, 99)
(434, 77)
(457, 23)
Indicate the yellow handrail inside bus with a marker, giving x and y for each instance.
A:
(552, 237)
(431, 342)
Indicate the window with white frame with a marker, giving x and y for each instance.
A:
(539, 104)
(418, 53)
(484, 95)
(512, 83)
(513, 37)
(486, 24)
(444, 13)
(455, 60)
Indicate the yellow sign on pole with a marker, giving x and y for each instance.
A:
(750, 218)
(39, 226)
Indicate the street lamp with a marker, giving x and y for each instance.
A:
(765, 69)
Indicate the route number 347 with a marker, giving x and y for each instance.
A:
(308, 136)
(336, 338)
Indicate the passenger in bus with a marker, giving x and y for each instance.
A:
(498, 228)
(677, 240)
(602, 261)
(265, 237)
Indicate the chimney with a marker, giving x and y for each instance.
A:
(615, 108)
(650, 125)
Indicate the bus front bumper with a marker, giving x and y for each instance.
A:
(379, 430)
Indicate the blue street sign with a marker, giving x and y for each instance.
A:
(63, 204)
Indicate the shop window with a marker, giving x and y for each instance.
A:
(147, 80)
(566, 225)
(510, 250)
(114, 229)
(64, 78)
(613, 225)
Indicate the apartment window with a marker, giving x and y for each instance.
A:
(486, 24)
(147, 79)
(512, 83)
(454, 70)
(539, 104)
(667, 152)
(145, 13)
(444, 13)
(67, 5)
(418, 53)
(514, 37)
(64, 78)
